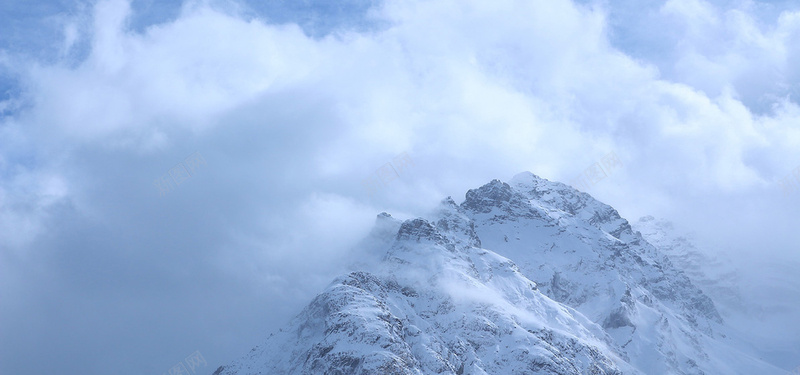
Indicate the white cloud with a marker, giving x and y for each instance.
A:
(291, 124)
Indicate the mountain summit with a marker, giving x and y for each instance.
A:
(525, 277)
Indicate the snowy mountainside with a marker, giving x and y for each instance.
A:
(715, 277)
(753, 306)
(435, 307)
(583, 254)
(526, 277)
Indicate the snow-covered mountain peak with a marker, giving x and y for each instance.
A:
(531, 197)
(494, 195)
(528, 182)
(553, 195)
(526, 277)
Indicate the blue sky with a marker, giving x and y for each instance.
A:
(295, 106)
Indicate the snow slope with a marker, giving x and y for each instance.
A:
(584, 294)
(754, 307)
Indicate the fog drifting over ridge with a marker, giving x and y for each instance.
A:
(293, 108)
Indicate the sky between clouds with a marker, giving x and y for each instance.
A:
(293, 105)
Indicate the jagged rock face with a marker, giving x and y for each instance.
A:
(587, 295)
(498, 196)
